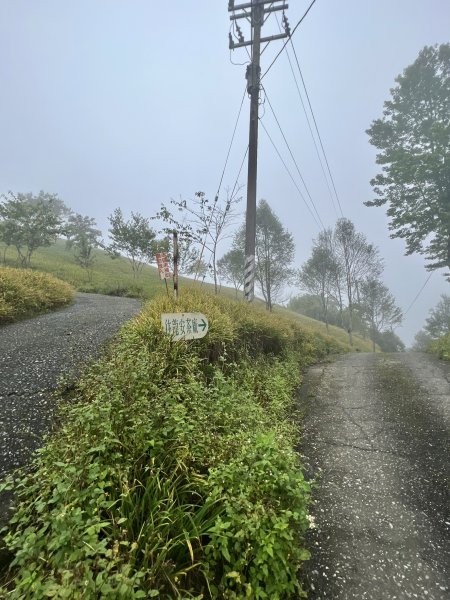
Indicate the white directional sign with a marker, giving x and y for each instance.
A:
(184, 326)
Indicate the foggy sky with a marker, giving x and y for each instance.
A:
(110, 103)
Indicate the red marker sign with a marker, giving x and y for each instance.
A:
(163, 267)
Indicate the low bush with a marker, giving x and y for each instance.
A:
(441, 347)
(24, 293)
(173, 472)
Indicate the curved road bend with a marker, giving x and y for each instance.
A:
(35, 354)
(377, 438)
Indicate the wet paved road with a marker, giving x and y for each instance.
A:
(377, 439)
(35, 354)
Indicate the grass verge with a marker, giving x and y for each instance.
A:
(24, 293)
(173, 472)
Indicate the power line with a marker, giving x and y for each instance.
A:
(229, 147)
(317, 129)
(418, 294)
(293, 158)
(310, 128)
(291, 176)
(239, 173)
(287, 41)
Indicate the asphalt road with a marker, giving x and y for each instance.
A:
(35, 354)
(376, 438)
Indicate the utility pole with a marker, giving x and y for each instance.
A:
(255, 12)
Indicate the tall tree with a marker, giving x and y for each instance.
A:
(358, 260)
(413, 137)
(438, 323)
(379, 308)
(319, 272)
(133, 238)
(275, 252)
(30, 222)
(82, 239)
(231, 267)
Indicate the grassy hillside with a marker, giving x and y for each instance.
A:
(24, 293)
(115, 277)
(174, 472)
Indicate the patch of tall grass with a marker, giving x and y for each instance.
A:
(24, 293)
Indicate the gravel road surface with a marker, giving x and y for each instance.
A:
(376, 438)
(34, 356)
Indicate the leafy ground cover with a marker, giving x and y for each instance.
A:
(173, 472)
(441, 347)
(24, 293)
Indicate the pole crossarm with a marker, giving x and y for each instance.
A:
(246, 15)
(233, 7)
(278, 36)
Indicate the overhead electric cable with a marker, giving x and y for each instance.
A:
(310, 128)
(418, 294)
(287, 41)
(317, 129)
(229, 147)
(239, 174)
(293, 158)
(291, 176)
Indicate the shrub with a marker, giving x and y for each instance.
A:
(441, 347)
(24, 293)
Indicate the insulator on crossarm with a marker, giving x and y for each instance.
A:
(239, 33)
(286, 26)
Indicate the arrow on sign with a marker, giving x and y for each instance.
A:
(203, 324)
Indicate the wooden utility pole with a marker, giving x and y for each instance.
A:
(255, 12)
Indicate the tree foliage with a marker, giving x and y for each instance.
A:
(422, 341)
(378, 307)
(342, 278)
(438, 323)
(357, 260)
(275, 253)
(82, 239)
(30, 222)
(231, 267)
(318, 274)
(133, 238)
(413, 138)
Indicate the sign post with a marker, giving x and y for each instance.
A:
(184, 326)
